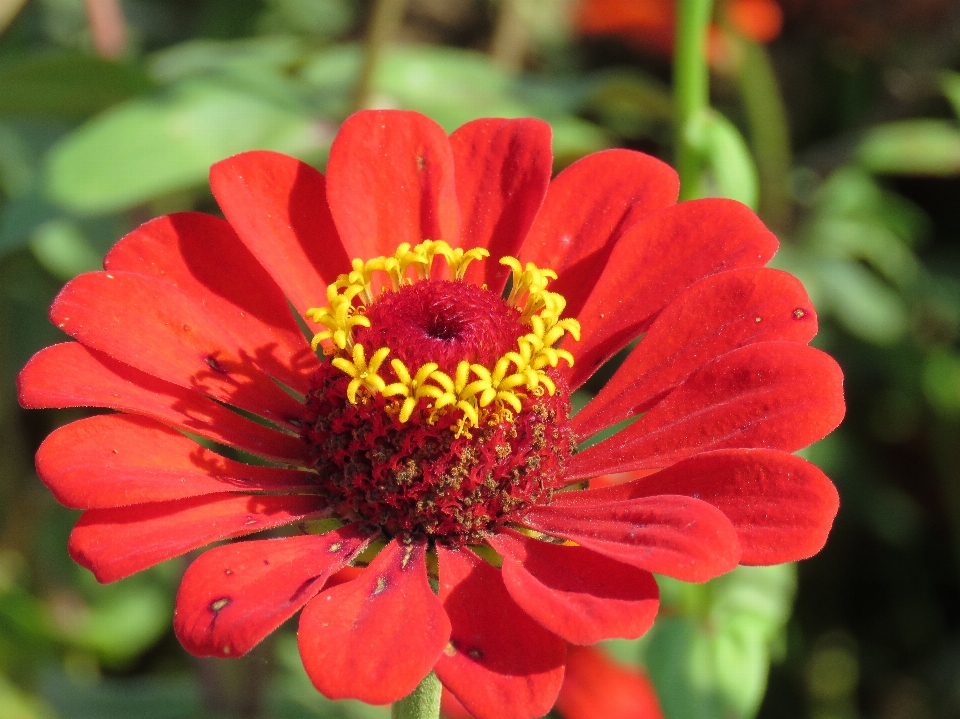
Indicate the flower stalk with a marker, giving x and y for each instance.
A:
(384, 24)
(422, 703)
(766, 117)
(691, 84)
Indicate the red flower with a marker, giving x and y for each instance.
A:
(652, 23)
(434, 428)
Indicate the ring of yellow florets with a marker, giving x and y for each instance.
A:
(479, 393)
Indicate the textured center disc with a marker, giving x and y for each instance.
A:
(444, 322)
(423, 476)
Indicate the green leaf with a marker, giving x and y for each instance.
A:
(941, 382)
(851, 193)
(866, 306)
(17, 174)
(17, 704)
(148, 148)
(122, 620)
(912, 147)
(66, 85)
(62, 250)
(144, 698)
(318, 18)
(631, 104)
(203, 57)
(950, 85)
(709, 659)
(574, 138)
(870, 241)
(450, 85)
(731, 169)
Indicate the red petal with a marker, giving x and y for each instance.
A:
(347, 574)
(71, 375)
(153, 326)
(117, 460)
(203, 256)
(375, 638)
(575, 593)
(654, 262)
(500, 664)
(278, 206)
(233, 596)
(596, 686)
(779, 395)
(781, 505)
(450, 708)
(390, 178)
(677, 536)
(588, 208)
(717, 314)
(502, 172)
(115, 543)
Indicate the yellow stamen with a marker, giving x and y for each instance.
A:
(480, 394)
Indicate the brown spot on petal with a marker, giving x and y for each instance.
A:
(381, 585)
(799, 313)
(475, 653)
(218, 604)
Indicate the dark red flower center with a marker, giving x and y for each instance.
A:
(431, 474)
(444, 322)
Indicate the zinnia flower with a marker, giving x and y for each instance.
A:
(457, 298)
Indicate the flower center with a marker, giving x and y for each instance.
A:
(464, 429)
(443, 322)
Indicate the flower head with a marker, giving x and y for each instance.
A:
(421, 435)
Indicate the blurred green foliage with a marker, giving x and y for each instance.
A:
(853, 157)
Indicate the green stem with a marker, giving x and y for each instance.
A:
(769, 133)
(384, 24)
(8, 11)
(422, 703)
(691, 89)
(508, 46)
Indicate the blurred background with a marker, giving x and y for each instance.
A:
(836, 119)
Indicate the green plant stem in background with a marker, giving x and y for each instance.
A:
(769, 133)
(422, 703)
(691, 93)
(384, 23)
(8, 11)
(508, 46)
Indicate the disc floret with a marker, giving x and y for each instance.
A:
(477, 391)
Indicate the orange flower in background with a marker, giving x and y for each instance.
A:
(651, 24)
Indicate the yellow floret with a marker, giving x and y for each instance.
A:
(479, 393)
